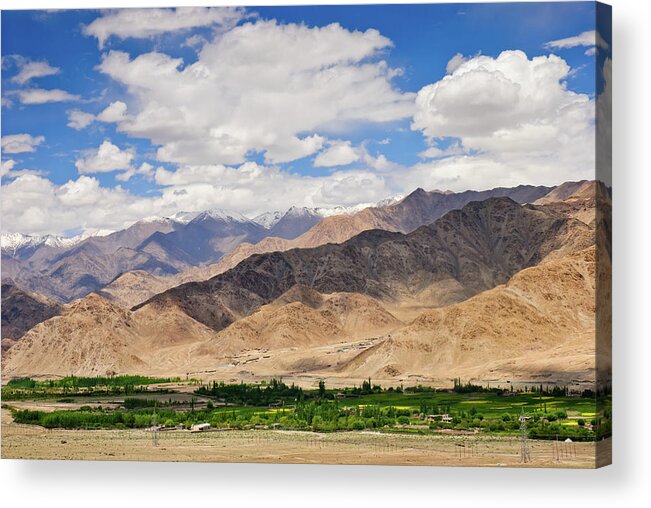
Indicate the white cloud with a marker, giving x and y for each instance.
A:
(79, 119)
(194, 41)
(591, 51)
(6, 166)
(145, 169)
(260, 87)
(287, 150)
(589, 38)
(434, 152)
(246, 188)
(515, 115)
(41, 96)
(114, 112)
(20, 143)
(454, 63)
(339, 153)
(147, 23)
(7, 171)
(108, 157)
(29, 70)
(36, 205)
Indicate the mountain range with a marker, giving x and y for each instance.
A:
(492, 289)
(68, 268)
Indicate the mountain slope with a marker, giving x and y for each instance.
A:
(302, 318)
(540, 323)
(415, 210)
(92, 336)
(462, 253)
(21, 310)
(95, 337)
(204, 239)
(133, 287)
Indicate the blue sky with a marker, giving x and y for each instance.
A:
(399, 102)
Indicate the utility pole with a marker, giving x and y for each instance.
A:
(524, 443)
(154, 428)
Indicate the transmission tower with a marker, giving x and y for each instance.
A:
(524, 443)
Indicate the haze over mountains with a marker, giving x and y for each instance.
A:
(191, 246)
(492, 289)
(65, 269)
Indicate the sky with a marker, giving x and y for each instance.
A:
(110, 116)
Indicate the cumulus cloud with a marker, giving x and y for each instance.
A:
(29, 70)
(6, 166)
(20, 143)
(292, 148)
(515, 115)
(41, 96)
(260, 87)
(589, 38)
(114, 112)
(79, 119)
(246, 188)
(36, 205)
(145, 169)
(454, 63)
(7, 171)
(339, 153)
(147, 23)
(434, 152)
(108, 157)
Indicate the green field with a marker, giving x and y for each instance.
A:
(274, 405)
(25, 388)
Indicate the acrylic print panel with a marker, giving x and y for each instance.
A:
(372, 234)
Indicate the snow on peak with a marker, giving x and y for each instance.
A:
(178, 217)
(222, 215)
(183, 217)
(153, 219)
(268, 219)
(13, 242)
(391, 200)
(302, 211)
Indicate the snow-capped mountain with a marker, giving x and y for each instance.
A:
(221, 214)
(183, 217)
(178, 217)
(268, 219)
(390, 201)
(13, 244)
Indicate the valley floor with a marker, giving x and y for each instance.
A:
(268, 446)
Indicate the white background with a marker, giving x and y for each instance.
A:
(626, 483)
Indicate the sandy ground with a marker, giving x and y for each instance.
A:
(31, 442)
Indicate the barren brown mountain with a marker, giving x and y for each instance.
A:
(21, 310)
(457, 256)
(303, 318)
(94, 337)
(415, 210)
(539, 325)
(134, 287)
(310, 312)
